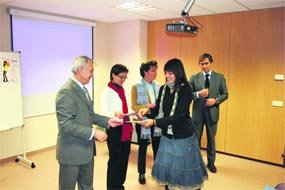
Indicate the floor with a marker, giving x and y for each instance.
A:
(233, 173)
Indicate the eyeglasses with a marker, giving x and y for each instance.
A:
(204, 63)
(122, 77)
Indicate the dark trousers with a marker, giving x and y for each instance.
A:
(143, 148)
(118, 159)
(5, 79)
(70, 174)
(211, 130)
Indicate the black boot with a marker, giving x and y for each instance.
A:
(142, 179)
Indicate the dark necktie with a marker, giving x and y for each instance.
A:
(207, 81)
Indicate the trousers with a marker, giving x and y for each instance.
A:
(119, 152)
(143, 143)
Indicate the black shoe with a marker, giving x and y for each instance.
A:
(142, 179)
(166, 187)
(212, 168)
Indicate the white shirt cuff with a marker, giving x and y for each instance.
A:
(92, 135)
(197, 95)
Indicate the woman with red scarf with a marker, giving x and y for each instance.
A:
(119, 139)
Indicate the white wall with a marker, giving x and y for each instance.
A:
(127, 40)
(102, 57)
(123, 42)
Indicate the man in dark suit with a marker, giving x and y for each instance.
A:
(75, 147)
(209, 91)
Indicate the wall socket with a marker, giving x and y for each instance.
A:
(277, 103)
(279, 77)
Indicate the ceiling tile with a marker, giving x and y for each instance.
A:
(105, 11)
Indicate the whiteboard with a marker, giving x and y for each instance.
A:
(11, 108)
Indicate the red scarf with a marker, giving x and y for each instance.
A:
(127, 128)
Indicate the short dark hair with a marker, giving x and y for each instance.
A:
(117, 69)
(5, 63)
(176, 66)
(204, 56)
(146, 66)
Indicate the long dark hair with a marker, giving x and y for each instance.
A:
(176, 66)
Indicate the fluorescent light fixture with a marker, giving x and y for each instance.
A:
(135, 7)
(144, 9)
(51, 17)
(128, 5)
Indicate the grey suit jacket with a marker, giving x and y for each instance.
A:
(218, 90)
(75, 117)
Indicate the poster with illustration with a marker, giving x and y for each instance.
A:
(9, 70)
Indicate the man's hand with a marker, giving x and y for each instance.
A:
(204, 93)
(210, 102)
(100, 136)
(115, 122)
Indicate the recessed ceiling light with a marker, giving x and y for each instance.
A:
(135, 6)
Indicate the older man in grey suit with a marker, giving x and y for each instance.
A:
(75, 147)
(209, 91)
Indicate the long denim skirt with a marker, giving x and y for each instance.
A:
(179, 163)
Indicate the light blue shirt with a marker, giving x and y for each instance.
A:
(151, 92)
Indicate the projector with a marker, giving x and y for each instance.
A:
(181, 27)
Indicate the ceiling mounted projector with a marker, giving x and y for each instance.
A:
(181, 27)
